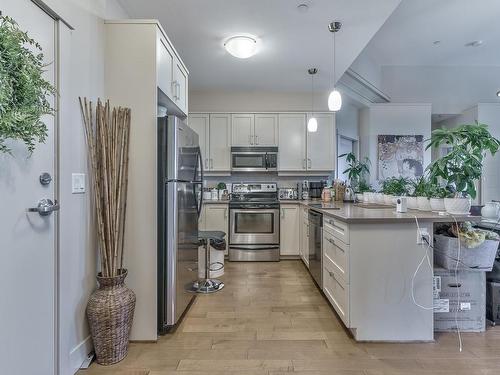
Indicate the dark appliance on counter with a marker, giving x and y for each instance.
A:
(254, 159)
(315, 189)
(315, 246)
(180, 198)
(254, 222)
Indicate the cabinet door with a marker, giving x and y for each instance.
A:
(242, 126)
(289, 234)
(292, 142)
(217, 218)
(180, 86)
(305, 236)
(266, 129)
(165, 63)
(200, 124)
(219, 141)
(321, 145)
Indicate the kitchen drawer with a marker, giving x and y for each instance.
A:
(338, 253)
(337, 228)
(336, 290)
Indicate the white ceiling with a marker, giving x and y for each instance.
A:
(408, 35)
(290, 41)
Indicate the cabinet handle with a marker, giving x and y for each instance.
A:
(282, 212)
(331, 241)
(211, 163)
(250, 139)
(256, 140)
(225, 213)
(178, 91)
(332, 275)
(309, 163)
(303, 163)
(174, 89)
(206, 163)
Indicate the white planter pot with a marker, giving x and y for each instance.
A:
(379, 198)
(388, 198)
(457, 206)
(437, 204)
(359, 197)
(412, 203)
(424, 204)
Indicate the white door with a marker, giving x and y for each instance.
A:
(321, 145)
(289, 230)
(199, 123)
(220, 144)
(28, 246)
(266, 129)
(292, 142)
(243, 129)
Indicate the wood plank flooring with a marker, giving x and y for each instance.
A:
(270, 319)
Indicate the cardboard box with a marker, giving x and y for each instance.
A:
(463, 303)
(493, 301)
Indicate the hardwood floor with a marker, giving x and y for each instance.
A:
(270, 319)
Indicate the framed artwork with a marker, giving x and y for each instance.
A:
(400, 156)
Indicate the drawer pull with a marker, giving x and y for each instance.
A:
(331, 241)
(332, 275)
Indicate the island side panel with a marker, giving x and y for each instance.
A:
(383, 259)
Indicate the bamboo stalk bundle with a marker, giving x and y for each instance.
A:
(107, 132)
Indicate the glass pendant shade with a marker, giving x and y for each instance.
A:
(334, 101)
(312, 125)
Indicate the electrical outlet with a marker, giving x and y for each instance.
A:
(421, 234)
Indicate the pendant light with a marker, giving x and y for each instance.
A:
(312, 124)
(334, 99)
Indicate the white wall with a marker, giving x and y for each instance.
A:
(82, 74)
(396, 119)
(489, 114)
(347, 121)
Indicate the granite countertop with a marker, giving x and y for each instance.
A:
(374, 213)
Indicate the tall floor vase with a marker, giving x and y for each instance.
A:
(110, 311)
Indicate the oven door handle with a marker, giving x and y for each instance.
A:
(254, 247)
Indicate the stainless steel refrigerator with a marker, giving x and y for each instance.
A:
(180, 183)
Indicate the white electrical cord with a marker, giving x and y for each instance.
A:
(456, 283)
(426, 255)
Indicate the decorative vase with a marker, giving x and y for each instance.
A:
(437, 204)
(412, 203)
(457, 206)
(110, 311)
(423, 204)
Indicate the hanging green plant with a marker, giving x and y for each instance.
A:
(23, 90)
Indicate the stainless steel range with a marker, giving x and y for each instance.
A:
(254, 223)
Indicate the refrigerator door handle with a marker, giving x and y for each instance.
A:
(200, 205)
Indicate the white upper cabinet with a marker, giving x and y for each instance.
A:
(321, 144)
(243, 129)
(171, 74)
(165, 64)
(266, 129)
(292, 142)
(200, 124)
(180, 86)
(220, 142)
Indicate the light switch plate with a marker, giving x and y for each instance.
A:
(78, 183)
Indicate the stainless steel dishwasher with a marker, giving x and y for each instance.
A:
(315, 244)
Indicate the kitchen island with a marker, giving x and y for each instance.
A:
(369, 257)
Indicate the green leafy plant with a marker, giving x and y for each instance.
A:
(421, 187)
(357, 169)
(395, 186)
(23, 89)
(463, 165)
(363, 187)
(221, 186)
(437, 191)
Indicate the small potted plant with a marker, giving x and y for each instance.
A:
(357, 170)
(437, 194)
(363, 188)
(421, 189)
(463, 165)
(394, 187)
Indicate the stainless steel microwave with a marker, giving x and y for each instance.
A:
(254, 159)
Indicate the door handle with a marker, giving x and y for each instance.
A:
(45, 207)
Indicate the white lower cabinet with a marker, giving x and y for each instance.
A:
(289, 229)
(336, 266)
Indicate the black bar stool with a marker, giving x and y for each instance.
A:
(216, 240)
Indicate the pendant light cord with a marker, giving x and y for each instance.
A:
(334, 56)
(312, 94)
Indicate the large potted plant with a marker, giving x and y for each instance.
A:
(24, 92)
(462, 167)
(110, 308)
(356, 170)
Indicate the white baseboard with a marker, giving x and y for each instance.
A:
(80, 353)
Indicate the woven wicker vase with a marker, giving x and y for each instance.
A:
(110, 311)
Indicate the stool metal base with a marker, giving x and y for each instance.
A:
(206, 286)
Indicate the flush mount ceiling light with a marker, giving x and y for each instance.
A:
(241, 46)
(303, 8)
(474, 43)
(312, 124)
(334, 99)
